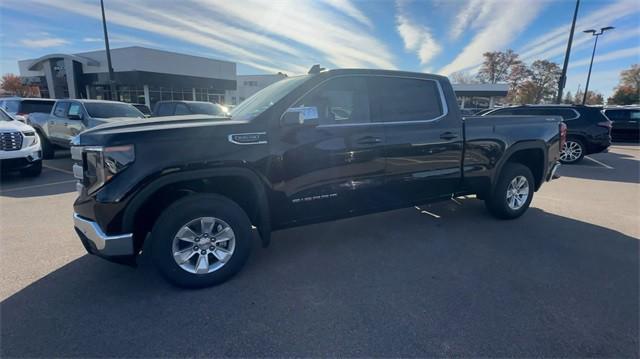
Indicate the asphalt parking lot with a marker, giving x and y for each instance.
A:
(443, 280)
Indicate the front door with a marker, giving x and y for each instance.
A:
(74, 121)
(333, 161)
(423, 139)
(56, 123)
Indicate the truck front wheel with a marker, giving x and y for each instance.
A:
(201, 240)
(513, 193)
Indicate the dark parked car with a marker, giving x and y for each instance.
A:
(20, 108)
(176, 108)
(625, 121)
(146, 111)
(588, 129)
(306, 149)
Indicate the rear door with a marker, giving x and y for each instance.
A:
(332, 164)
(424, 139)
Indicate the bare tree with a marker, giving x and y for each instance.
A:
(462, 77)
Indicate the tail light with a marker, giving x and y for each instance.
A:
(563, 135)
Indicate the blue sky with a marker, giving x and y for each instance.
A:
(439, 36)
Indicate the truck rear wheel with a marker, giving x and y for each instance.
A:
(513, 193)
(201, 240)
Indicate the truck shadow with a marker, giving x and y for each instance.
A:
(450, 282)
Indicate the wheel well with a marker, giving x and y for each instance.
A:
(236, 188)
(533, 158)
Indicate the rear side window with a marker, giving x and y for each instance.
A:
(30, 106)
(617, 115)
(634, 115)
(61, 109)
(404, 99)
(165, 109)
(342, 100)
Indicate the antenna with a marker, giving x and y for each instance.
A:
(316, 69)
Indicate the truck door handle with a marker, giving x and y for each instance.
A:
(66, 124)
(369, 140)
(448, 136)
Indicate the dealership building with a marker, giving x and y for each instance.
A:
(146, 76)
(142, 75)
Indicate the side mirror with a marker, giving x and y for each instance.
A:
(300, 117)
(292, 118)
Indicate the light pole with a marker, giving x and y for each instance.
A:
(112, 84)
(596, 34)
(563, 77)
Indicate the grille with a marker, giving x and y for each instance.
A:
(10, 141)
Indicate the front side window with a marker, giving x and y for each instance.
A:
(340, 100)
(406, 99)
(181, 109)
(61, 109)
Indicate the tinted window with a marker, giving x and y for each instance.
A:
(206, 108)
(61, 109)
(402, 99)
(337, 101)
(265, 98)
(74, 109)
(30, 106)
(165, 109)
(634, 115)
(181, 109)
(111, 110)
(617, 115)
(4, 116)
(12, 106)
(143, 108)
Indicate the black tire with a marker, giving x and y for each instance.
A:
(182, 212)
(497, 202)
(571, 142)
(33, 171)
(48, 149)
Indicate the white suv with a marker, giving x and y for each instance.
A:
(19, 147)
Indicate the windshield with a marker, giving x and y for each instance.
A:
(4, 116)
(265, 98)
(206, 108)
(111, 109)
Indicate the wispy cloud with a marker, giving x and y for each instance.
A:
(266, 35)
(509, 19)
(633, 52)
(554, 42)
(472, 14)
(416, 37)
(44, 42)
(121, 39)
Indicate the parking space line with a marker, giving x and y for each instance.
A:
(36, 186)
(58, 169)
(598, 162)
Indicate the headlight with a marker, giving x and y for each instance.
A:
(100, 164)
(30, 138)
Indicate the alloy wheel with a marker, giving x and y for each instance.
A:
(204, 245)
(517, 192)
(571, 151)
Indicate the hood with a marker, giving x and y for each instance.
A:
(15, 125)
(154, 124)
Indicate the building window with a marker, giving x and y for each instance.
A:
(251, 83)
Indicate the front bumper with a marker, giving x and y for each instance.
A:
(20, 159)
(99, 243)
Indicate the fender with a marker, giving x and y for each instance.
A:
(263, 216)
(518, 146)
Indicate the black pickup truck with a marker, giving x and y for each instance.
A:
(312, 148)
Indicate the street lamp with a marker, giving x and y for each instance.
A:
(596, 34)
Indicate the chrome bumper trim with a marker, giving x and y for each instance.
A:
(120, 245)
(552, 174)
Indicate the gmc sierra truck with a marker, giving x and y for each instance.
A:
(70, 117)
(312, 148)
